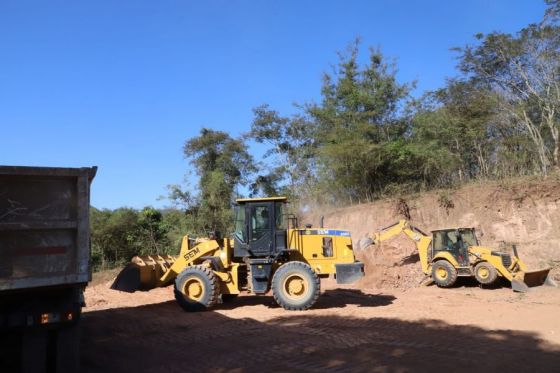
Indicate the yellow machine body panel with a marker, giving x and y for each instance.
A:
(188, 255)
(441, 255)
(321, 248)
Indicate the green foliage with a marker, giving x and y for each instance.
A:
(290, 153)
(522, 71)
(222, 163)
(355, 125)
(118, 235)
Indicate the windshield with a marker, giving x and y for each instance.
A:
(447, 240)
(240, 232)
(469, 237)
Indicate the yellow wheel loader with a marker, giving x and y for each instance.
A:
(450, 253)
(268, 251)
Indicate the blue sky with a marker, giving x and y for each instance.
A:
(122, 84)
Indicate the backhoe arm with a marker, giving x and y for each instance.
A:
(421, 240)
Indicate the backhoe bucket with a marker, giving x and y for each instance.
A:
(143, 273)
(532, 279)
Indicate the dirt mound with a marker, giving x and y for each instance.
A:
(523, 212)
(394, 265)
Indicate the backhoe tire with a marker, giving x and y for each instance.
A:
(197, 289)
(485, 273)
(444, 274)
(295, 286)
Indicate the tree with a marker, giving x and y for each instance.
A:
(524, 70)
(113, 235)
(222, 163)
(358, 118)
(458, 125)
(290, 153)
(152, 231)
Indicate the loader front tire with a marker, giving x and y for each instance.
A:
(295, 286)
(485, 273)
(197, 289)
(444, 274)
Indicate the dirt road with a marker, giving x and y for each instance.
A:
(422, 329)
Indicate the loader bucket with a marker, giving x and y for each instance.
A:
(532, 279)
(143, 273)
(128, 279)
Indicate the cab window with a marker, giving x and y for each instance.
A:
(280, 218)
(240, 224)
(260, 222)
(469, 237)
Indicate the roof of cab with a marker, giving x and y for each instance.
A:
(452, 229)
(269, 199)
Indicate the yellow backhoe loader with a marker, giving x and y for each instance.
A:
(449, 253)
(267, 252)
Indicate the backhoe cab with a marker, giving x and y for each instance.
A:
(267, 251)
(451, 253)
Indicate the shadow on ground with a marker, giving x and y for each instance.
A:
(335, 298)
(163, 338)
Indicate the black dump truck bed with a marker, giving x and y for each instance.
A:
(44, 266)
(44, 226)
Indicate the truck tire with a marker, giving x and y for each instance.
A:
(197, 289)
(485, 273)
(444, 274)
(295, 286)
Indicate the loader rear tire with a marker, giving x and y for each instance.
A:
(485, 273)
(295, 286)
(444, 274)
(197, 289)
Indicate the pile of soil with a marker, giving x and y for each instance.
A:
(394, 264)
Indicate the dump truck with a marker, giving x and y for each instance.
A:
(267, 251)
(44, 266)
(450, 253)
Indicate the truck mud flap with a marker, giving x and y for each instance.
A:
(349, 273)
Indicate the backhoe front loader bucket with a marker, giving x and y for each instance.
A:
(143, 273)
(525, 280)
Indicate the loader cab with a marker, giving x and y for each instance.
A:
(260, 229)
(454, 241)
